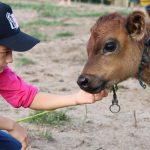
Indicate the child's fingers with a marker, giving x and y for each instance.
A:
(25, 144)
(100, 95)
(105, 93)
(24, 147)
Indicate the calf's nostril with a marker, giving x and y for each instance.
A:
(83, 81)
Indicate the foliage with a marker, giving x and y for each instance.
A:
(64, 34)
(47, 135)
(23, 61)
(52, 118)
(44, 22)
(54, 11)
(40, 35)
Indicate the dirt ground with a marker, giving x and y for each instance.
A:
(57, 65)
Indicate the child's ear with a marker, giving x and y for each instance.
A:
(135, 25)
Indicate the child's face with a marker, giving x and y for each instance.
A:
(5, 57)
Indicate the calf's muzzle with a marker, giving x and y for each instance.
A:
(91, 83)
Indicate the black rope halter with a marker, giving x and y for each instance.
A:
(144, 62)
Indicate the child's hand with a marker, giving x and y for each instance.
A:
(87, 98)
(20, 134)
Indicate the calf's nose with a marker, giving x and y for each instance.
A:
(83, 82)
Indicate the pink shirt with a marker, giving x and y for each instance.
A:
(16, 91)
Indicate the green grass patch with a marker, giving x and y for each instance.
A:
(34, 31)
(125, 12)
(91, 14)
(39, 35)
(54, 11)
(64, 34)
(22, 5)
(47, 135)
(44, 22)
(50, 10)
(23, 61)
(52, 118)
(57, 12)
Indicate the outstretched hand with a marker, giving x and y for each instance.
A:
(87, 98)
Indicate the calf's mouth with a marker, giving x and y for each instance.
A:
(91, 83)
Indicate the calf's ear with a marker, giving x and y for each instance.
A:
(135, 25)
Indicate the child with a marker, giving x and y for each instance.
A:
(19, 93)
(147, 8)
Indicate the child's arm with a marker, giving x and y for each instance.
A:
(15, 130)
(19, 93)
(45, 101)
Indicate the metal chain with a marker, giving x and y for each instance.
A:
(114, 100)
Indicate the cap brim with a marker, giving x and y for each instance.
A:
(20, 42)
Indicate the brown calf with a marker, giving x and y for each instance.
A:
(115, 49)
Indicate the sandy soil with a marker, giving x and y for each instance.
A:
(57, 65)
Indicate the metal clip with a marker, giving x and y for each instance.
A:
(114, 108)
(114, 101)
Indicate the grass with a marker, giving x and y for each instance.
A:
(125, 12)
(44, 22)
(58, 12)
(52, 118)
(22, 5)
(23, 61)
(35, 32)
(54, 11)
(42, 36)
(50, 10)
(64, 34)
(47, 135)
(91, 14)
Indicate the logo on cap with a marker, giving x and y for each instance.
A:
(12, 21)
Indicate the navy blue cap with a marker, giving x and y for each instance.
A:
(10, 34)
(147, 8)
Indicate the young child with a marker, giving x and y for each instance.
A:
(17, 92)
(147, 9)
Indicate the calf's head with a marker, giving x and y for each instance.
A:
(114, 51)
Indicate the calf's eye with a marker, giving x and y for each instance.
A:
(110, 47)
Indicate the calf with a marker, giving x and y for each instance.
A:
(115, 50)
